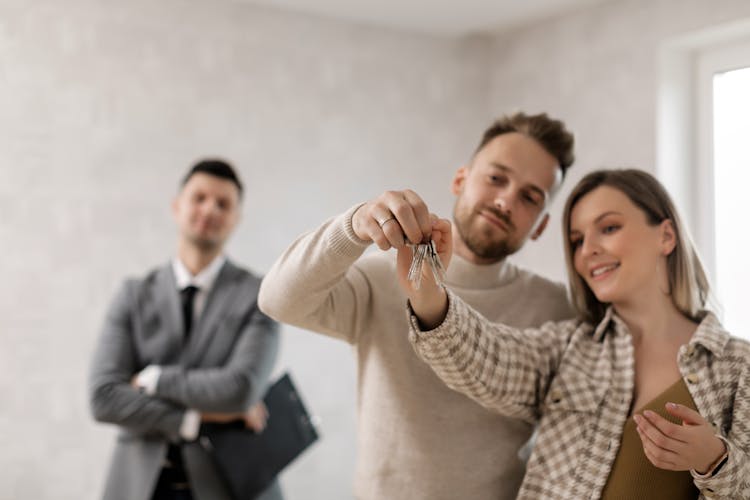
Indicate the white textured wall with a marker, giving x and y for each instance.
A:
(103, 107)
(597, 68)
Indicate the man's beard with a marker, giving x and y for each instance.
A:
(479, 242)
(207, 245)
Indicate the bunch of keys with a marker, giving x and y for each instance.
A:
(421, 252)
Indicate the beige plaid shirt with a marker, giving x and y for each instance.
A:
(576, 381)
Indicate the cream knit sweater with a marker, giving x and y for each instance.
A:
(417, 439)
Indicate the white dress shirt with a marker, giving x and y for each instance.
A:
(148, 378)
(204, 281)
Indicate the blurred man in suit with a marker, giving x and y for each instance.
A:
(186, 343)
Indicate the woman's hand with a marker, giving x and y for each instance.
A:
(692, 445)
(430, 302)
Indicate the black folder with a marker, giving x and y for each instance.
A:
(249, 461)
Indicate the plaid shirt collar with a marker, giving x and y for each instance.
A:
(709, 334)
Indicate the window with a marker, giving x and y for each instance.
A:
(724, 152)
(703, 127)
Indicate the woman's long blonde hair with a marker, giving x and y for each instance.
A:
(688, 283)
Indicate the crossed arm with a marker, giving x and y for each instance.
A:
(221, 393)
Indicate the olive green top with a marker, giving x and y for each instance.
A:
(633, 476)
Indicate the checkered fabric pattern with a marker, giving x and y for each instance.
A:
(576, 381)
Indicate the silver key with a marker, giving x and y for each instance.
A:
(415, 270)
(438, 271)
(421, 252)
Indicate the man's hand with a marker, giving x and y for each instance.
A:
(147, 379)
(220, 418)
(254, 417)
(692, 445)
(393, 219)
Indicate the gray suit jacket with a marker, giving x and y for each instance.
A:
(223, 367)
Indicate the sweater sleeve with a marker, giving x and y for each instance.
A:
(505, 369)
(314, 285)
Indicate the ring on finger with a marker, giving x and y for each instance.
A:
(383, 223)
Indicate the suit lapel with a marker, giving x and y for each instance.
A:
(169, 305)
(219, 302)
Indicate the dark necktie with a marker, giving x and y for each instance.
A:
(187, 295)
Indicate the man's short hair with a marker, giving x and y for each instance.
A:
(217, 168)
(551, 134)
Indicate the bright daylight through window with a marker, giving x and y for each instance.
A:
(731, 104)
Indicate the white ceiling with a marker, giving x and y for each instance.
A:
(438, 17)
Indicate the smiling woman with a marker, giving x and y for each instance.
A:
(630, 208)
(645, 395)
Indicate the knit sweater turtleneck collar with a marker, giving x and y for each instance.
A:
(464, 274)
